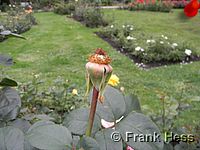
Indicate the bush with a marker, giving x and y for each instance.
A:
(79, 13)
(17, 21)
(147, 50)
(179, 3)
(57, 99)
(164, 6)
(93, 17)
(90, 16)
(64, 8)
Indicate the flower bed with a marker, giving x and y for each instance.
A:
(17, 21)
(147, 52)
(164, 6)
(179, 3)
(87, 14)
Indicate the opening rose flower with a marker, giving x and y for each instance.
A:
(98, 72)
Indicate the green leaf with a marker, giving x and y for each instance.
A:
(184, 146)
(139, 125)
(103, 137)
(11, 139)
(6, 60)
(77, 120)
(40, 123)
(21, 124)
(8, 82)
(114, 105)
(27, 146)
(50, 137)
(9, 33)
(88, 143)
(5, 32)
(167, 146)
(10, 103)
(132, 104)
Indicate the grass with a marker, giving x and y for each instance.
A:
(59, 46)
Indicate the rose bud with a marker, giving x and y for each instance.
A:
(98, 72)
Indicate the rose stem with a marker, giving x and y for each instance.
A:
(92, 111)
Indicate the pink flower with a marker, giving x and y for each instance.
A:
(129, 148)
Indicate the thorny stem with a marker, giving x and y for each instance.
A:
(92, 111)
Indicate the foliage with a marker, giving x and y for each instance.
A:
(179, 3)
(164, 6)
(64, 8)
(47, 135)
(93, 17)
(88, 14)
(54, 101)
(19, 133)
(16, 21)
(147, 50)
(44, 4)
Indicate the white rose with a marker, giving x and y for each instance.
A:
(174, 44)
(161, 42)
(148, 41)
(137, 48)
(188, 52)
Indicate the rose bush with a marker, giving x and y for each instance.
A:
(144, 50)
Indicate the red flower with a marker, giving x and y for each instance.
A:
(191, 9)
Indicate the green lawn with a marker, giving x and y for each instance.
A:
(59, 46)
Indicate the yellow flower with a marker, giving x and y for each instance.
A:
(114, 80)
(74, 92)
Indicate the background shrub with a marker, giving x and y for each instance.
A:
(64, 8)
(93, 17)
(17, 21)
(164, 6)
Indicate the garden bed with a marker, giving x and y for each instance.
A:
(137, 60)
(16, 21)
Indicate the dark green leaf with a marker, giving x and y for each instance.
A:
(139, 125)
(132, 104)
(17, 35)
(10, 103)
(103, 137)
(8, 82)
(50, 137)
(40, 123)
(21, 124)
(88, 143)
(5, 60)
(113, 107)
(77, 120)
(27, 146)
(11, 139)
(7, 33)
(167, 146)
(184, 146)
